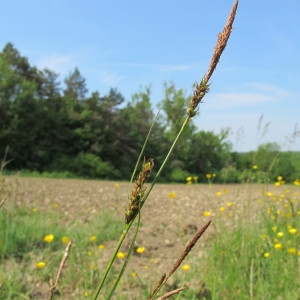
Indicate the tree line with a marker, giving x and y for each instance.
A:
(49, 126)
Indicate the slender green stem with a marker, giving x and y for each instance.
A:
(127, 226)
(165, 160)
(113, 257)
(144, 146)
(126, 260)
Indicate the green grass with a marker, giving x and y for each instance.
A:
(239, 261)
(258, 259)
(22, 246)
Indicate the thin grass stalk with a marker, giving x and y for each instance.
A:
(201, 89)
(127, 226)
(53, 285)
(182, 257)
(112, 259)
(127, 257)
(165, 161)
(143, 148)
(172, 293)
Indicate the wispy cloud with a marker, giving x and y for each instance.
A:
(230, 100)
(61, 64)
(110, 78)
(269, 88)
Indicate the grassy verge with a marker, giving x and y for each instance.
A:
(256, 257)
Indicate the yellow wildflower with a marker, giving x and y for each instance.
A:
(185, 267)
(121, 255)
(280, 234)
(93, 238)
(101, 247)
(40, 265)
(172, 195)
(207, 214)
(255, 167)
(266, 254)
(49, 238)
(65, 239)
(140, 250)
(292, 230)
(208, 176)
(278, 246)
(189, 178)
(292, 251)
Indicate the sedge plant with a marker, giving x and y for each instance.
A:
(140, 193)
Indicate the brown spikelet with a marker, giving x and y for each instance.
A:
(188, 248)
(203, 87)
(138, 190)
(159, 284)
(172, 293)
(221, 42)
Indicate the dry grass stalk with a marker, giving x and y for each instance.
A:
(159, 284)
(138, 191)
(202, 88)
(188, 248)
(169, 294)
(184, 254)
(53, 285)
(3, 200)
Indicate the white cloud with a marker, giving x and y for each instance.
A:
(269, 88)
(231, 100)
(110, 78)
(61, 64)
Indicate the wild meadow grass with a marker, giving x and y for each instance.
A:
(252, 250)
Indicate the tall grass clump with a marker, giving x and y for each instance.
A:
(140, 193)
(255, 256)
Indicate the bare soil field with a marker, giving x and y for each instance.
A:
(170, 217)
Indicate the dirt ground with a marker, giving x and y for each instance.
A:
(170, 217)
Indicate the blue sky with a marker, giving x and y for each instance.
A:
(131, 44)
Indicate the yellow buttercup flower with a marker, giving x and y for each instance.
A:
(93, 238)
(208, 176)
(40, 265)
(185, 267)
(121, 255)
(65, 239)
(49, 238)
(278, 246)
(207, 214)
(255, 167)
(292, 251)
(140, 250)
(172, 195)
(101, 247)
(292, 230)
(266, 255)
(280, 234)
